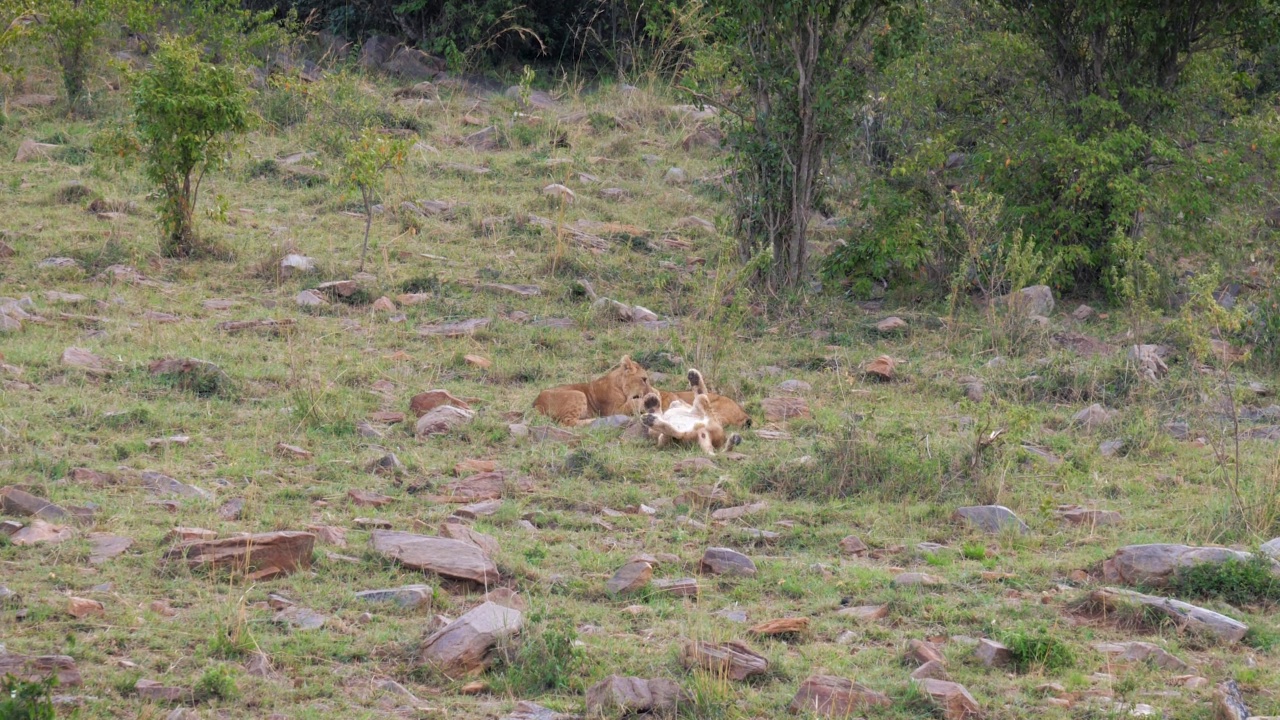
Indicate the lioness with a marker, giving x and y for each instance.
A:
(619, 391)
(683, 422)
(728, 412)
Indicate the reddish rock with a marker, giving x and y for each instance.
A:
(835, 697)
(103, 547)
(479, 361)
(423, 403)
(882, 368)
(442, 420)
(34, 668)
(448, 558)
(464, 645)
(39, 532)
(82, 359)
(853, 545)
(681, 587)
(782, 626)
(282, 552)
(992, 653)
(366, 498)
(923, 651)
(187, 534)
(467, 534)
(293, 451)
(780, 409)
(152, 690)
(620, 696)
(724, 561)
(471, 465)
(732, 659)
(78, 607)
(865, 613)
(629, 578)
(16, 501)
(952, 698)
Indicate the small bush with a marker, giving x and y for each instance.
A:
(22, 700)
(218, 683)
(1038, 651)
(1237, 582)
(547, 660)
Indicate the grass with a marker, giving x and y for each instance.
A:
(888, 462)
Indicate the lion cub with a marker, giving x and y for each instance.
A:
(616, 392)
(682, 422)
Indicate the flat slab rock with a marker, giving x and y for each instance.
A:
(629, 578)
(442, 420)
(442, 556)
(990, 518)
(1143, 652)
(619, 695)
(464, 645)
(103, 547)
(725, 561)
(455, 329)
(952, 698)
(1155, 564)
(33, 668)
(835, 697)
(1184, 614)
(732, 659)
(16, 501)
(285, 551)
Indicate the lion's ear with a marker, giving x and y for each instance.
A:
(626, 363)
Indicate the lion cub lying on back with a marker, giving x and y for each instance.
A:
(682, 422)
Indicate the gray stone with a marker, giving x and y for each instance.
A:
(724, 561)
(1093, 417)
(407, 596)
(465, 645)
(1184, 614)
(620, 696)
(1034, 300)
(991, 518)
(1155, 564)
(1144, 652)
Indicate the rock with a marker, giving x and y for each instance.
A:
(338, 288)
(526, 710)
(675, 176)
(865, 613)
(329, 534)
(781, 626)
(923, 651)
(479, 487)
(1093, 417)
(16, 501)
(423, 403)
(300, 618)
(853, 545)
(162, 484)
(1154, 565)
(375, 51)
(464, 328)
(480, 509)
(309, 298)
(82, 359)
(1034, 300)
(295, 263)
(367, 498)
(442, 420)
(34, 668)
(283, 552)
(738, 512)
(620, 696)
(952, 698)
(883, 368)
(1090, 517)
(413, 64)
(784, 408)
(992, 653)
(1082, 313)
(908, 579)
(443, 556)
(1228, 703)
(932, 669)
(1271, 548)
(463, 646)
(78, 607)
(891, 324)
(506, 597)
(187, 534)
(31, 151)
(293, 451)
(1143, 652)
(629, 578)
(1110, 448)
(681, 587)
(40, 532)
(974, 390)
(479, 361)
(1184, 614)
(834, 697)
(232, 509)
(6, 250)
(732, 659)
(152, 690)
(724, 561)
(560, 192)
(794, 387)
(383, 304)
(1178, 430)
(990, 518)
(103, 547)
(1149, 360)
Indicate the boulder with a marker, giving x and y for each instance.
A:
(1149, 360)
(619, 696)
(1034, 300)
(16, 501)
(442, 420)
(34, 668)
(732, 659)
(779, 409)
(1093, 417)
(990, 518)
(1228, 702)
(724, 561)
(283, 552)
(992, 653)
(883, 368)
(375, 51)
(630, 577)
(445, 557)
(32, 151)
(931, 670)
(835, 697)
(952, 698)
(923, 651)
(1183, 614)
(891, 324)
(413, 64)
(853, 545)
(1154, 565)
(464, 645)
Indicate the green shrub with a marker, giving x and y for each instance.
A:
(1235, 581)
(185, 110)
(1037, 650)
(547, 659)
(22, 700)
(217, 682)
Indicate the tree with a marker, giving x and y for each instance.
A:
(364, 164)
(185, 111)
(799, 81)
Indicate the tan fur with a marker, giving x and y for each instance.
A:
(726, 410)
(689, 423)
(618, 391)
